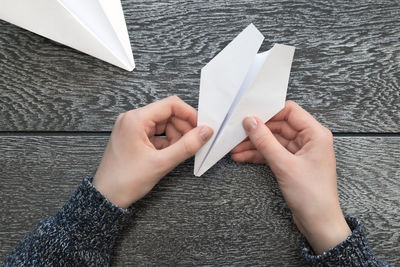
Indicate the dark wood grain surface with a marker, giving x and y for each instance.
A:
(346, 68)
(232, 215)
(57, 106)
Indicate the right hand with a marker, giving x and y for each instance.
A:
(300, 152)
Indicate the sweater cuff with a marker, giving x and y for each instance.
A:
(354, 250)
(89, 217)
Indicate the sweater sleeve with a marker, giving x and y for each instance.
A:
(354, 251)
(81, 233)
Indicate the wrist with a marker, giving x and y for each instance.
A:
(326, 232)
(109, 189)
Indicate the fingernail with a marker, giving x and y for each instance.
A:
(205, 133)
(249, 124)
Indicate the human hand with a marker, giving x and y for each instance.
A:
(300, 153)
(136, 158)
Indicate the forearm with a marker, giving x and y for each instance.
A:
(82, 232)
(353, 251)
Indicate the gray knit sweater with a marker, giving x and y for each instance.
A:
(83, 232)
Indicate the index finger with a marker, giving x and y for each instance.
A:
(169, 107)
(298, 118)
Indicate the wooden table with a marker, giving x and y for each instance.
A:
(58, 106)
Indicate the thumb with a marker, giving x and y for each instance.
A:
(187, 145)
(264, 141)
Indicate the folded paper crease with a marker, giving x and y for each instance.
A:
(94, 27)
(237, 83)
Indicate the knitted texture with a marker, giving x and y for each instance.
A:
(354, 251)
(81, 233)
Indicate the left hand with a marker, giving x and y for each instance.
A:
(136, 158)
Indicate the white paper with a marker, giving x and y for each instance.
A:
(95, 27)
(237, 83)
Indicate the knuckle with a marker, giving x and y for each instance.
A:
(327, 135)
(189, 147)
(174, 98)
(134, 114)
(291, 103)
(128, 117)
(260, 142)
(120, 117)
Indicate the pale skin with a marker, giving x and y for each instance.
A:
(136, 158)
(299, 151)
(297, 148)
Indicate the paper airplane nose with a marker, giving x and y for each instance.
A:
(95, 27)
(237, 83)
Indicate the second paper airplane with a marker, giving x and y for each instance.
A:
(238, 83)
(95, 27)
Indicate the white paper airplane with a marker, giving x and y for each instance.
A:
(237, 83)
(95, 27)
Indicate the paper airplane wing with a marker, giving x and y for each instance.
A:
(220, 81)
(95, 27)
(262, 93)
